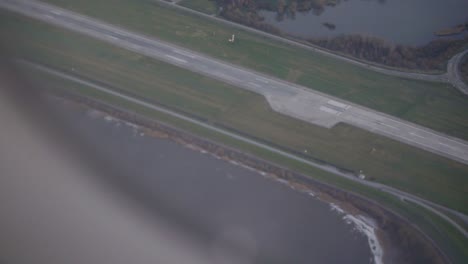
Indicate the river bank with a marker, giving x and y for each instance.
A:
(429, 56)
(452, 31)
(389, 229)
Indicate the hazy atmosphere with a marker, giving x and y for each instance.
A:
(234, 131)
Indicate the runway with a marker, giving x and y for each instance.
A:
(287, 98)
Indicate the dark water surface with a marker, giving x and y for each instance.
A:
(410, 22)
(264, 216)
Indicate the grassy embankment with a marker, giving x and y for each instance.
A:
(438, 106)
(249, 113)
(387, 161)
(206, 6)
(439, 230)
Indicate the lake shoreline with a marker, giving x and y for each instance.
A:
(366, 48)
(453, 31)
(388, 226)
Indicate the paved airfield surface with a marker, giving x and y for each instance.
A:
(287, 98)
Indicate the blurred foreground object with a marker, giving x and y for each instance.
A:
(54, 208)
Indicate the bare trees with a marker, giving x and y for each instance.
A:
(432, 56)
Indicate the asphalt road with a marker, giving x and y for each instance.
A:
(454, 74)
(431, 206)
(287, 98)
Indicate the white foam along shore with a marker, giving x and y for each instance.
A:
(361, 223)
(367, 227)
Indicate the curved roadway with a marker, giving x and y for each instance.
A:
(454, 73)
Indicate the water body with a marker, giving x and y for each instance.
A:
(268, 218)
(409, 22)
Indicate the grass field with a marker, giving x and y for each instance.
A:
(438, 106)
(389, 162)
(206, 6)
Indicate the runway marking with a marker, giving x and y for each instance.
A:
(176, 59)
(416, 135)
(224, 76)
(329, 110)
(262, 80)
(183, 53)
(380, 123)
(429, 132)
(112, 37)
(448, 146)
(337, 104)
(254, 85)
(134, 46)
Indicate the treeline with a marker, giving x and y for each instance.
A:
(246, 11)
(248, 8)
(283, 8)
(432, 56)
(287, 8)
(237, 12)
